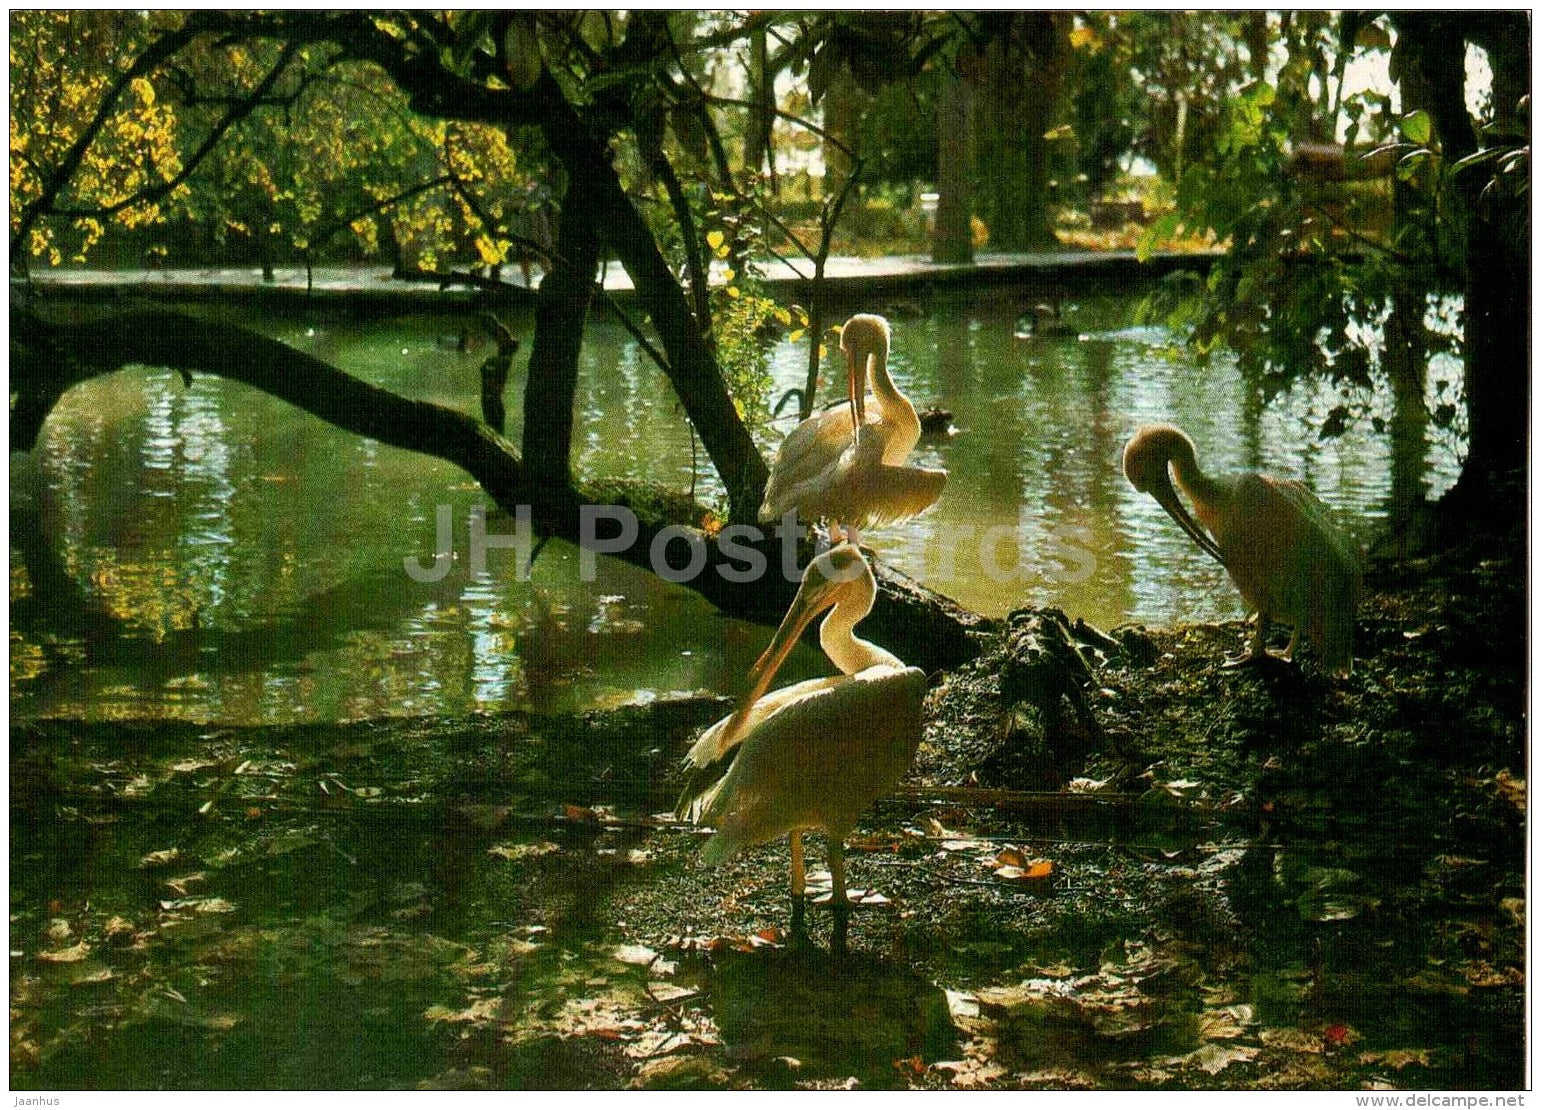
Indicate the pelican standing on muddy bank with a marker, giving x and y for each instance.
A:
(1276, 540)
(846, 464)
(814, 754)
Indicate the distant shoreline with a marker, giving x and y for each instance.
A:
(375, 287)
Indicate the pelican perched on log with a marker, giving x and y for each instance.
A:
(815, 754)
(846, 464)
(1276, 540)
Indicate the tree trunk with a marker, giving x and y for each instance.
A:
(1025, 65)
(560, 314)
(1497, 264)
(952, 238)
(692, 368)
(842, 126)
(762, 111)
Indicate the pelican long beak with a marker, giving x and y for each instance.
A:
(856, 388)
(814, 596)
(1167, 498)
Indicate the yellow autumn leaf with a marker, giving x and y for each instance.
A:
(714, 239)
(722, 251)
(728, 275)
(1084, 37)
(733, 292)
(796, 335)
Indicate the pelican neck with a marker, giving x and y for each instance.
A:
(1200, 487)
(837, 635)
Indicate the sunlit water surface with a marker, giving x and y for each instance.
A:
(207, 552)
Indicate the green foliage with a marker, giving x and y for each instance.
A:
(1314, 257)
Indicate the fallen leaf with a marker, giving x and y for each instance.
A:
(522, 851)
(118, 929)
(179, 886)
(1397, 1058)
(58, 930)
(1028, 872)
(1215, 1058)
(1337, 1036)
(1480, 973)
(1224, 1022)
(659, 1042)
(961, 1004)
(161, 858)
(1511, 788)
(970, 1073)
(1086, 786)
(634, 954)
(964, 845)
(66, 955)
(668, 992)
(485, 1009)
(199, 905)
(1292, 1040)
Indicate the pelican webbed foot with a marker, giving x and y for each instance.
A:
(1257, 651)
(1250, 659)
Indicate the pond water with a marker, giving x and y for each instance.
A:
(208, 553)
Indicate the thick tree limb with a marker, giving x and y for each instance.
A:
(921, 627)
(560, 314)
(584, 152)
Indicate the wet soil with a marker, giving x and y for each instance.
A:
(1246, 878)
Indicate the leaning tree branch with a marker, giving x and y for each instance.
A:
(49, 359)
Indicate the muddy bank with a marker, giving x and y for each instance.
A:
(1210, 878)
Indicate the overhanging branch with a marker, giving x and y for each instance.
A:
(47, 360)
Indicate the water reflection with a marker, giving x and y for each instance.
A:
(204, 551)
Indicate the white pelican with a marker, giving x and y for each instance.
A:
(815, 754)
(1277, 541)
(846, 464)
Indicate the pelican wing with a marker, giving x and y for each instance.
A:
(714, 751)
(902, 492)
(861, 490)
(1298, 565)
(812, 448)
(818, 761)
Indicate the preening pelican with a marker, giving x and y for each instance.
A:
(846, 464)
(815, 754)
(1277, 541)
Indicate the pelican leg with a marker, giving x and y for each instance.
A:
(799, 884)
(838, 900)
(1258, 648)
